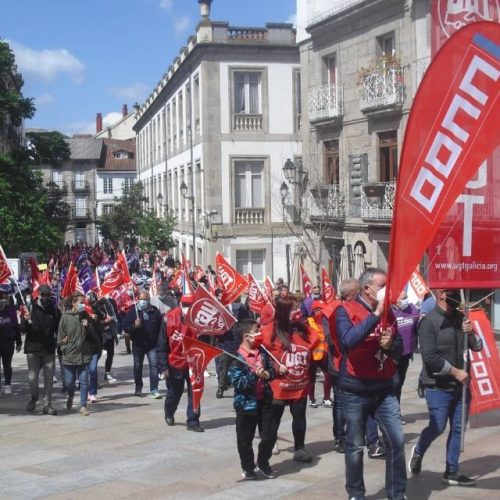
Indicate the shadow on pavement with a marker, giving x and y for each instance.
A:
(290, 466)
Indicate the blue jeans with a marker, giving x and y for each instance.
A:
(71, 373)
(338, 415)
(138, 351)
(383, 406)
(93, 373)
(443, 407)
(175, 387)
(371, 431)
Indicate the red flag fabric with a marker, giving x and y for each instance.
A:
(124, 301)
(199, 272)
(419, 285)
(198, 354)
(306, 282)
(119, 275)
(485, 367)
(328, 290)
(5, 271)
(452, 127)
(256, 298)
(233, 284)
(268, 289)
(177, 280)
(70, 285)
(207, 316)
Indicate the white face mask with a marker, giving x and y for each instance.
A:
(185, 310)
(381, 294)
(404, 303)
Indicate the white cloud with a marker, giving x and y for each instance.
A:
(44, 99)
(166, 4)
(134, 92)
(181, 24)
(47, 63)
(292, 19)
(88, 127)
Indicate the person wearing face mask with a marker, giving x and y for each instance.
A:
(40, 325)
(307, 302)
(252, 399)
(10, 338)
(74, 339)
(174, 366)
(368, 383)
(407, 316)
(441, 337)
(144, 326)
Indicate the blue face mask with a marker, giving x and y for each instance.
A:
(143, 304)
(80, 307)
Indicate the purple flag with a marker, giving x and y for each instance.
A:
(86, 278)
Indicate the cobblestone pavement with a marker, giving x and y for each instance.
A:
(124, 449)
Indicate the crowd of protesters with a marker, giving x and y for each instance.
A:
(270, 360)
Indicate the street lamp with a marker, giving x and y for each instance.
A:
(284, 192)
(296, 176)
(184, 190)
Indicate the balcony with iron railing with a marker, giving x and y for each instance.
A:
(81, 214)
(381, 88)
(249, 216)
(243, 122)
(377, 200)
(80, 186)
(326, 201)
(60, 187)
(326, 103)
(419, 67)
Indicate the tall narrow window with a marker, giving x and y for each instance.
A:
(251, 261)
(331, 64)
(249, 190)
(108, 185)
(386, 45)
(297, 100)
(388, 156)
(332, 163)
(57, 178)
(247, 93)
(80, 206)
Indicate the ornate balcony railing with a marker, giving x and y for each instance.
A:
(419, 68)
(327, 201)
(326, 102)
(250, 34)
(377, 200)
(249, 216)
(247, 123)
(80, 186)
(382, 88)
(81, 214)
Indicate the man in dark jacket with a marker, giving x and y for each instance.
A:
(40, 326)
(143, 331)
(368, 381)
(441, 336)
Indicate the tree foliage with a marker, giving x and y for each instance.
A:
(47, 148)
(130, 221)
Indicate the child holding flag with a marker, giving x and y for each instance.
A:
(252, 400)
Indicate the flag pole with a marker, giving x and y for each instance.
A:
(465, 298)
(271, 355)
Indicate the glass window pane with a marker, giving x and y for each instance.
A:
(242, 262)
(258, 257)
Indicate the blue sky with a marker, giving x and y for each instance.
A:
(81, 57)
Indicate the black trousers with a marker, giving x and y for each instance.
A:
(175, 387)
(268, 420)
(222, 369)
(109, 345)
(6, 354)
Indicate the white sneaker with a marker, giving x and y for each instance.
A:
(327, 403)
(109, 377)
(7, 389)
(276, 449)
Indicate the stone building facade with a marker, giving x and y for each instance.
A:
(214, 135)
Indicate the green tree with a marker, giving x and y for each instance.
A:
(129, 220)
(47, 148)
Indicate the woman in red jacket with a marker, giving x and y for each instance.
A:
(291, 342)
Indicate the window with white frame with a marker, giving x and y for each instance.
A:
(251, 261)
(80, 206)
(57, 178)
(247, 94)
(80, 179)
(107, 185)
(121, 155)
(107, 209)
(128, 183)
(248, 184)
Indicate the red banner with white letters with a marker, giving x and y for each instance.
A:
(207, 316)
(484, 367)
(256, 298)
(198, 354)
(119, 275)
(5, 271)
(233, 284)
(306, 282)
(328, 290)
(452, 128)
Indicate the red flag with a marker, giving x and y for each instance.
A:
(198, 354)
(124, 301)
(256, 298)
(306, 282)
(177, 280)
(207, 315)
(452, 127)
(5, 271)
(70, 285)
(328, 290)
(268, 289)
(233, 284)
(118, 275)
(418, 285)
(199, 273)
(485, 367)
